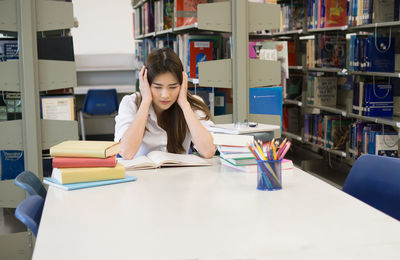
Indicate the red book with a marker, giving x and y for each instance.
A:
(199, 51)
(335, 13)
(186, 11)
(78, 162)
(292, 53)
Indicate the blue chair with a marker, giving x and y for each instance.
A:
(98, 103)
(375, 180)
(31, 183)
(30, 211)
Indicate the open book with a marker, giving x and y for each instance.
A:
(158, 159)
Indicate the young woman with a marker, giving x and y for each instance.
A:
(164, 116)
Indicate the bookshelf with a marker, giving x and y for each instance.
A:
(236, 72)
(343, 110)
(29, 76)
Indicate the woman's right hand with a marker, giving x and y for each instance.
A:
(144, 86)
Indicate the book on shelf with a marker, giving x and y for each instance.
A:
(272, 96)
(278, 51)
(241, 129)
(199, 51)
(11, 163)
(335, 13)
(59, 107)
(82, 185)
(55, 48)
(74, 175)
(8, 49)
(383, 11)
(186, 12)
(157, 159)
(371, 99)
(74, 148)
(76, 162)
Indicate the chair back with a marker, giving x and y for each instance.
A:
(100, 102)
(30, 211)
(31, 183)
(375, 180)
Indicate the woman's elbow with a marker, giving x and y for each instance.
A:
(127, 154)
(209, 153)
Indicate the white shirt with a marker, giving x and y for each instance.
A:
(155, 138)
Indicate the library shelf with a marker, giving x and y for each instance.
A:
(139, 3)
(149, 35)
(296, 67)
(372, 26)
(300, 31)
(9, 75)
(332, 70)
(82, 90)
(292, 136)
(395, 121)
(336, 152)
(293, 102)
(163, 32)
(193, 80)
(185, 28)
(377, 74)
(336, 110)
(327, 29)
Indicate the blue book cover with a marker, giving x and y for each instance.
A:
(12, 163)
(265, 101)
(381, 53)
(378, 100)
(82, 185)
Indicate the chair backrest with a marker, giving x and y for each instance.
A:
(31, 183)
(30, 211)
(100, 102)
(375, 180)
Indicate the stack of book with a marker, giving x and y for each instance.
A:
(81, 164)
(234, 153)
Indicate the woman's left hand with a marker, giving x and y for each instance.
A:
(182, 98)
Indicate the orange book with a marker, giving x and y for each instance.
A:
(335, 13)
(79, 162)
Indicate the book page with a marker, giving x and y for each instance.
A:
(141, 162)
(172, 159)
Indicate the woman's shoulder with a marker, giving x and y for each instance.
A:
(129, 100)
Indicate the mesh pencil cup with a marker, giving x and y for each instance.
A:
(269, 175)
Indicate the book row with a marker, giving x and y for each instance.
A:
(334, 13)
(370, 138)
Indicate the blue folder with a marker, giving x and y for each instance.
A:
(82, 185)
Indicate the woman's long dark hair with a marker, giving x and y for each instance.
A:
(172, 120)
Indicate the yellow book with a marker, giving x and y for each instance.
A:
(75, 175)
(96, 149)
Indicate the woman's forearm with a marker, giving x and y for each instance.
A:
(133, 137)
(202, 139)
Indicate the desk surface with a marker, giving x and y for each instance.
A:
(213, 213)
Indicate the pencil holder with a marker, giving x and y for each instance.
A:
(269, 175)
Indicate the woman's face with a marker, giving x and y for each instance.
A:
(165, 91)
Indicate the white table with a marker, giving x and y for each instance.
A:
(213, 213)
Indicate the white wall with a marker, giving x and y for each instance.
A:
(105, 26)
